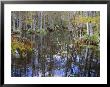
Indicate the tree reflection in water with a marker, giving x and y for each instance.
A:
(55, 44)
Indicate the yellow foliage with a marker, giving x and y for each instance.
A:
(80, 19)
(22, 46)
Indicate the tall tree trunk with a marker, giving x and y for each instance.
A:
(40, 19)
(13, 18)
(44, 21)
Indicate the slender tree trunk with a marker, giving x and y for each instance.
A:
(13, 21)
(40, 19)
(86, 60)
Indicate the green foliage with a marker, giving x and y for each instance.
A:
(31, 31)
(86, 36)
(41, 32)
(28, 21)
(95, 37)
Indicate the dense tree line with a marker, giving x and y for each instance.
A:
(46, 41)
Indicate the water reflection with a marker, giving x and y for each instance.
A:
(59, 68)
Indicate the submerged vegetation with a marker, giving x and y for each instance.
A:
(55, 44)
